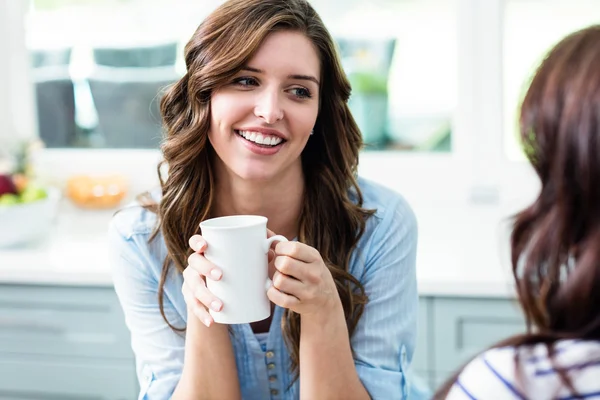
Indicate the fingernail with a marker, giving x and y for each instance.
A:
(207, 321)
(197, 245)
(215, 305)
(215, 274)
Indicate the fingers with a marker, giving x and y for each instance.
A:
(297, 250)
(198, 297)
(282, 299)
(202, 266)
(287, 284)
(299, 270)
(271, 255)
(196, 307)
(197, 243)
(198, 289)
(199, 263)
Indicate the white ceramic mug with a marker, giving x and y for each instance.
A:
(238, 245)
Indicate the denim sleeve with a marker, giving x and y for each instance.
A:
(384, 339)
(158, 348)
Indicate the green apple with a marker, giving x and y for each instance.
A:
(9, 199)
(33, 193)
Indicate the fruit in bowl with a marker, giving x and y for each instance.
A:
(26, 211)
(7, 184)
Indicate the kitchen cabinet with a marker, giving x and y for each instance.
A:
(454, 329)
(64, 342)
(70, 342)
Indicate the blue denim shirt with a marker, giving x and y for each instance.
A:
(383, 342)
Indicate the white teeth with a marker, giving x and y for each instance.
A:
(260, 139)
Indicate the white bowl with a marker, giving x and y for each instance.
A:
(21, 224)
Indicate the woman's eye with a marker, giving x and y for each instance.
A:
(301, 93)
(245, 81)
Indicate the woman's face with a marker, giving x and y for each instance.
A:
(262, 119)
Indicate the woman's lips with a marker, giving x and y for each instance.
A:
(260, 149)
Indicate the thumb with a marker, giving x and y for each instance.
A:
(270, 233)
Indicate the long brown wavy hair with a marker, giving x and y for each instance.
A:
(555, 242)
(332, 218)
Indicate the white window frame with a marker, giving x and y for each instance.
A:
(475, 172)
(17, 110)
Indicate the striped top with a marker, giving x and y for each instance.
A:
(495, 374)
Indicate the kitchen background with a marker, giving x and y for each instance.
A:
(436, 84)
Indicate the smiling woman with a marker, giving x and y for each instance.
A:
(260, 125)
(272, 110)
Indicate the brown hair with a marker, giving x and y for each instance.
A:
(555, 242)
(330, 220)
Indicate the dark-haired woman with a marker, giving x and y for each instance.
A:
(260, 124)
(555, 241)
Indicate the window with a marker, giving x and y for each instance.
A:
(436, 82)
(97, 67)
(413, 45)
(531, 28)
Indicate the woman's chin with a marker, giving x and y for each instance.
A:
(259, 176)
(261, 172)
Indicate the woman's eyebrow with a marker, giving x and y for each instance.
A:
(305, 77)
(292, 76)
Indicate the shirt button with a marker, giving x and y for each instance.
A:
(274, 392)
(271, 366)
(270, 354)
(272, 378)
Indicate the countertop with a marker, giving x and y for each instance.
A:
(462, 251)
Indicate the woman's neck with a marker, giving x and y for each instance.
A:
(280, 200)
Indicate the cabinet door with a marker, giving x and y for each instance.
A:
(39, 379)
(64, 342)
(466, 326)
(62, 321)
(421, 360)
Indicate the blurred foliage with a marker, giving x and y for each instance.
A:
(368, 83)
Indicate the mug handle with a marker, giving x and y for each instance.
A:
(269, 241)
(268, 244)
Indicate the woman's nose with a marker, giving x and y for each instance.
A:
(268, 107)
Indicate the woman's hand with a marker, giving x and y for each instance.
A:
(195, 293)
(301, 281)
